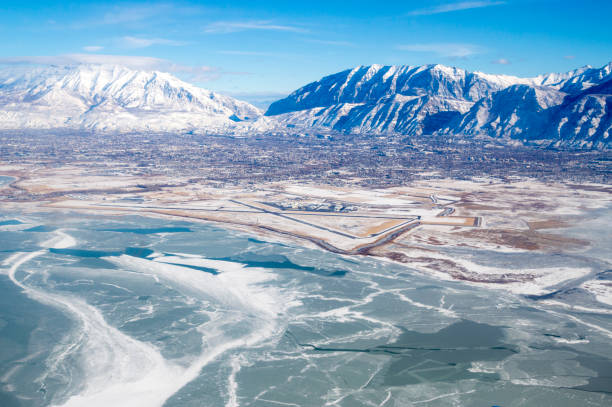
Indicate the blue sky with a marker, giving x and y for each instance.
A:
(263, 49)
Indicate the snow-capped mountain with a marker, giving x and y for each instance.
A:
(563, 109)
(113, 98)
(569, 109)
(510, 112)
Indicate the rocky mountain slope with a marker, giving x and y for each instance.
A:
(571, 109)
(113, 99)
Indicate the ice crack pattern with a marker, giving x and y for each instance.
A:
(135, 311)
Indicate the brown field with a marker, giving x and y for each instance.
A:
(383, 226)
(491, 216)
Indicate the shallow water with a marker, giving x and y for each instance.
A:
(133, 311)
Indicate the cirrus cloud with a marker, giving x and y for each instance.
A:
(193, 73)
(447, 8)
(331, 42)
(501, 61)
(136, 62)
(93, 48)
(226, 27)
(136, 15)
(137, 42)
(450, 50)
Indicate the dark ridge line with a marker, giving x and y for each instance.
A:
(386, 349)
(587, 391)
(318, 349)
(199, 268)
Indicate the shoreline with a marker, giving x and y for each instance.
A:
(450, 316)
(408, 225)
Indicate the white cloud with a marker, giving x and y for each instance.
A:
(501, 61)
(135, 42)
(247, 53)
(331, 42)
(462, 5)
(136, 62)
(225, 27)
(92, 48)
(136, 14)
(451, 50)
(192, 73)
(258, 53)
(201, 73)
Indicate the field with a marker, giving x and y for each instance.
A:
(415, 225)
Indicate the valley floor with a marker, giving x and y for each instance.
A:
(487, 232)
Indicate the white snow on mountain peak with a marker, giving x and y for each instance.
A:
(112, 98)
(437, 99)
(570, 108)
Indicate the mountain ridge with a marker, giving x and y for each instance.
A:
(572, 109)
(436, 99)
(113, 98)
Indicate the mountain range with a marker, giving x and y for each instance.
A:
(109, 98)
(572, 109)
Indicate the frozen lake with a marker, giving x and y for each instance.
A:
(134, 311)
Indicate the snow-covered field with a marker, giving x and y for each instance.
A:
(464, 230)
